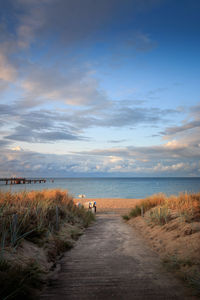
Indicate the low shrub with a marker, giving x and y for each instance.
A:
(126, 217)
(135, 212)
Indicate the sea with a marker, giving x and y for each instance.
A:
(131, 187)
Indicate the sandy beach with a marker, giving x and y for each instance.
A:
(118, 205)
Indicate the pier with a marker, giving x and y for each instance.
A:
(20, 180)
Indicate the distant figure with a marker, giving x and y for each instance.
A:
(95, 206)
(90, 205)
(81, 196)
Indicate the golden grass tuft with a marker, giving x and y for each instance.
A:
(186, 205)
(32, 214)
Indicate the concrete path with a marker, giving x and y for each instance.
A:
(111, 261)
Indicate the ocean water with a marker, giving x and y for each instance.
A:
(114, 187)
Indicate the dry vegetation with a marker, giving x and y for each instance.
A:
(172, 227)
(35, 228)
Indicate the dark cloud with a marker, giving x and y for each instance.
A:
(178, 129)
(167, 152)
(37, 126)
(116, 141)
(120, 116)
(26, 134)
(38, 120)
(58, 136)
(48, 125)
(6, 110)
(4, 143)
(134, 116)
(189, 126)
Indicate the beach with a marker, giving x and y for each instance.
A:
(118, 205)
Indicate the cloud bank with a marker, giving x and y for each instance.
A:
(55, 59)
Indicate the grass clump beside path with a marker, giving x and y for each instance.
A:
(160, 207)
(35, 228)
(172, 226)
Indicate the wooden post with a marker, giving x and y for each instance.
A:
(57, 218)
(142, 211)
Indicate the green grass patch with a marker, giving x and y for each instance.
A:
(135, 212)
(126, 217)
(159, 215)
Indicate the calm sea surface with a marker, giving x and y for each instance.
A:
(114, 187)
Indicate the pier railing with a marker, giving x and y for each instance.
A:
(19, 180)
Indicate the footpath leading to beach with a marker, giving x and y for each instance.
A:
(111, 261)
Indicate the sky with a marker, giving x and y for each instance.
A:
(99, 88)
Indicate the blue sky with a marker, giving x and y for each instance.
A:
(99, 88)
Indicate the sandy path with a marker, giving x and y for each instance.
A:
(111, 261)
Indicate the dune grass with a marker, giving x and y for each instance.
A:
(41, 218)
(160, 207)
(180, 214)
(29, 215)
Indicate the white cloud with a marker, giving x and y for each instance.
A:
(174, 144)
(174, 167)
(17, 148)
(114, 159)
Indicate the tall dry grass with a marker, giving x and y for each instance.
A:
(32, 214)
(185, 205)
(40, 217)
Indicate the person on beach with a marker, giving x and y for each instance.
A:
(90, 205)
(95, 206)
